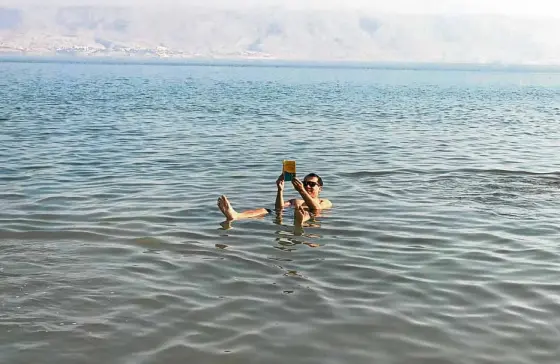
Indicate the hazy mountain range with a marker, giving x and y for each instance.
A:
(268, 32)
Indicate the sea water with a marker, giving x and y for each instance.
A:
(442, 246)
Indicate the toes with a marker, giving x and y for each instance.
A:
(226, 201)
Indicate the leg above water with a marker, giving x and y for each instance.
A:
(225, 207)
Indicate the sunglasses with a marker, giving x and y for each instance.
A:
(310, 184)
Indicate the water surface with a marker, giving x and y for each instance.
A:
(442, 246)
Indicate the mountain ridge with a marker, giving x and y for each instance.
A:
(272, 33)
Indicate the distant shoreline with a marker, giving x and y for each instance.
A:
(248, 62)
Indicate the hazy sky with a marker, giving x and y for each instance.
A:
(508, 7)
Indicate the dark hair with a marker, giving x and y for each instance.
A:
(311, 175)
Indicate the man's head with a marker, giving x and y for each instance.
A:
(313, 184)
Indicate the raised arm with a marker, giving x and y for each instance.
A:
(280, 193)
(312, 204)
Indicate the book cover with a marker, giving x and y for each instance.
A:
(289, 169)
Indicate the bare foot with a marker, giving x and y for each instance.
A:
(301, 215)
(226, 209)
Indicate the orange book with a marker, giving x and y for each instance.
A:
(289, 169)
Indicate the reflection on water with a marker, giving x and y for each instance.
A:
(442, 246)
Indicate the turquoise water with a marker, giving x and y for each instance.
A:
(442, 246)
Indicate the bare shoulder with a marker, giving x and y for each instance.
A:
(326, 204)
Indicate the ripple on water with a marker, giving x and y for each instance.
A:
(441, 248)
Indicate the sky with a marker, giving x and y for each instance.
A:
(532, 8)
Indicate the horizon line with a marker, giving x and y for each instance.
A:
(253, 62)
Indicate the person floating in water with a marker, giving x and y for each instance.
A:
(310, 201)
